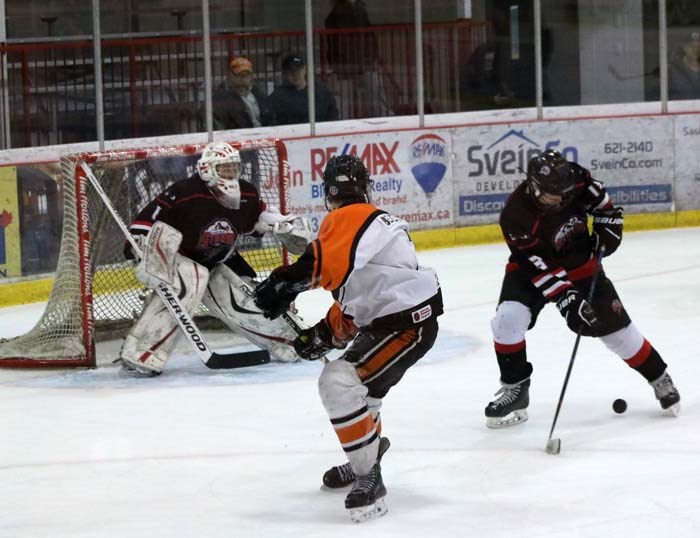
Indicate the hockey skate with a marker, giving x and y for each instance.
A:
(667, 394)
(342, 476)
(131, 370)
(367, 498)
(510, 407)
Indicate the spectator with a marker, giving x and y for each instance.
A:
(354, 58)
(349, 53)
(485, 81)
(289, 102)
(684, 71)
(237, 102)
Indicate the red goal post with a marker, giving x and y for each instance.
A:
(95, 290)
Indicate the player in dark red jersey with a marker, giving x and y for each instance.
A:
(204, 215)
(553, 258)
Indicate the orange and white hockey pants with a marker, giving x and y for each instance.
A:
(353, 386)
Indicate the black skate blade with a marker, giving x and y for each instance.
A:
(553, 447)
(371, 511)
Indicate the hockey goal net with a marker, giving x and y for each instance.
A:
(95, 290)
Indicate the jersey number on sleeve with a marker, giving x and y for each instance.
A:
(538, 262)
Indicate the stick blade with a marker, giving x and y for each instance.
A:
(228, 361)
(553, 446)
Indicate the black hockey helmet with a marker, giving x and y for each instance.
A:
(346, 180)
(550, 175)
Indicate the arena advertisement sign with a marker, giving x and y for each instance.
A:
(631, 156)
(687, 171)
(411, 173)
(10, 249)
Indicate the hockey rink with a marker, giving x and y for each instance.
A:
(207, 454)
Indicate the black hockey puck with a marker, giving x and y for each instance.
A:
(619, 405)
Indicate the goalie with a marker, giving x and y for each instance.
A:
(188, 237)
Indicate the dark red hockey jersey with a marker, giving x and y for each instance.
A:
(209, 230)
(553, 248)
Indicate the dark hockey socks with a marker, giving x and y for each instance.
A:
(512, 361)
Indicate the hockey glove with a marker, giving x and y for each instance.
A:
(314, 342)
(578, 313)
(274, 295)
(607, 229)
(295, 233)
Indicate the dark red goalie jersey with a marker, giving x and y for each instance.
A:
(209, 230)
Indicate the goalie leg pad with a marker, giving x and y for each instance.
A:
(230, 298)
(159, 258)
(155, 334)
(345, 399)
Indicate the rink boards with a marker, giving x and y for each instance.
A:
(451, 182)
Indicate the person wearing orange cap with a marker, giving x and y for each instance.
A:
(238, 103)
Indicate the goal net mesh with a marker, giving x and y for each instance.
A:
(95, 293)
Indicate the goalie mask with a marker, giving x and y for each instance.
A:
(550, 181)
(220, 167)
(346, 181)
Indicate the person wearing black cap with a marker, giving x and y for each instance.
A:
(289, 102)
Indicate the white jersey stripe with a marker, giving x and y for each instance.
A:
(605, 202)
(552, 290)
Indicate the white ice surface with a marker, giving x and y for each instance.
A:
(201, 453)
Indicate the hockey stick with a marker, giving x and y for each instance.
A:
(172, 302)
(291, 323)
(553, 446)
(295, 327)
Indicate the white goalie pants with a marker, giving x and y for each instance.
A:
(155, 334)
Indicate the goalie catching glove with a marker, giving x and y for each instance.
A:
(294, 232)
(607, 229)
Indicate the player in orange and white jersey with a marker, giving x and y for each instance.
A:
(387, 304)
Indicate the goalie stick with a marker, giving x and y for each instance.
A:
(553, 446)
(172, 302)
